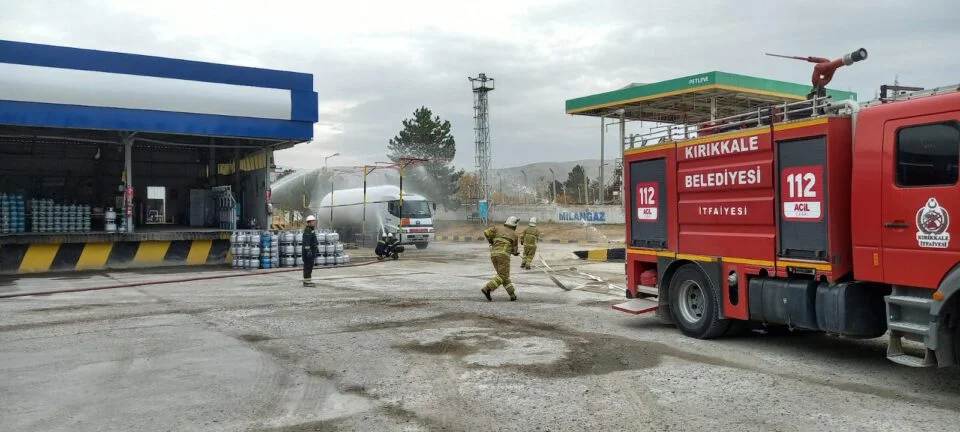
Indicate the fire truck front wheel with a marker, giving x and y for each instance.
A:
(694, 304)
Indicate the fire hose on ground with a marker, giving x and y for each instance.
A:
(544, 267)
(169, 281)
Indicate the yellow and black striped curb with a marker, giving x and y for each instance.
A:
(55, 257)
(609, 255)
(481, 239)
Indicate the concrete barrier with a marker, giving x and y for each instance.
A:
(548, 213)
(464, 239)
(607, 255)
(55, 257)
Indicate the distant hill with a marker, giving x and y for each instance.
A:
(512, 176)
(536, 171)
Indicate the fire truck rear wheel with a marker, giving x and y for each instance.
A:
(956, 344)
(694, 304)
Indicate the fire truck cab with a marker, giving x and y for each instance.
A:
(752, 200)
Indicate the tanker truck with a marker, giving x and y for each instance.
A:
(384, 214)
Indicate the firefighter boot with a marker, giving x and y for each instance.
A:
(512, 292)
(490, 286)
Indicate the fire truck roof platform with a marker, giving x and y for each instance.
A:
(693, 99)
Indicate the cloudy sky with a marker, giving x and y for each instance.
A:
(374, 61)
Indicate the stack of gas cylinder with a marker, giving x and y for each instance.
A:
(47, 216)
(12, 214)
(255, 249)
(268, 249)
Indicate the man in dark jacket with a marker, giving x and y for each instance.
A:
(311, 249)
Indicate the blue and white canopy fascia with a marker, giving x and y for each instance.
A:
(70, 88)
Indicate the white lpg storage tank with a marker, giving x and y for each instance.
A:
(382, 210)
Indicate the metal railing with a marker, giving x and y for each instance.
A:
(765, 115)
(913, 95)
(761, 116)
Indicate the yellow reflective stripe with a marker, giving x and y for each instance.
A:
(804, 264)
(597, 255)
(94, 256)
(39, 257)
(760, 263)
(199, 250)
(151, 252)
(701, 258)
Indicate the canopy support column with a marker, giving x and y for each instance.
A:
(603, 130)
(128, 182)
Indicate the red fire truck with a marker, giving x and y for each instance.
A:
(820, 214)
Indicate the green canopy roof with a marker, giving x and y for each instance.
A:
(688, 99)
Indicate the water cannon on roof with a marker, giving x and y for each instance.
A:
(825, 68)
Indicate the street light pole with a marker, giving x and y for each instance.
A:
(586, 188)
(553, 185)
(501, 186)
(326, 171)
(325, 160)
(363, 229)
(524, 186)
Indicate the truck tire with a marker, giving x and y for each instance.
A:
(694, 304)
(421, 245)
(956, 344)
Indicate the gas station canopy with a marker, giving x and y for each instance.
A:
(81, 93)
(694, 99)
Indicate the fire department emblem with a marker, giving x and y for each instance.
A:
(932, 224)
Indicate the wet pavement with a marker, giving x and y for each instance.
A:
(412, 345)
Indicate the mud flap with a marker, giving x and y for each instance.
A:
(637, 306)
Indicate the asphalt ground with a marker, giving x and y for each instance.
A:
(412, 345)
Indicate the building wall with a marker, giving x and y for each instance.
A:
(177, 171)
(548, 213)
(252, 194)
(87, 173)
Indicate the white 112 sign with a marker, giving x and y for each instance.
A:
(647, 202)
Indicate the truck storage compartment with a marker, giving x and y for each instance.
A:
(791, 302)
(648, 224)
(803, 198)
(852, 309)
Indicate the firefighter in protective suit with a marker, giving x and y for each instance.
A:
(529, 239)
(503, 243)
